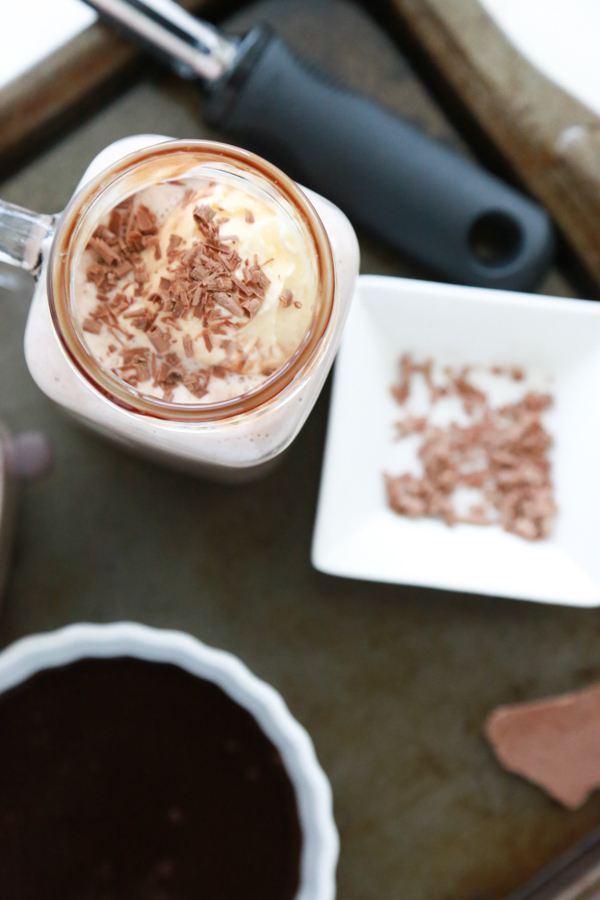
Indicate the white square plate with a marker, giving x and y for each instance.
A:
(358, 536)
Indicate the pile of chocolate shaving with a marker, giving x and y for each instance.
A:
(203, 284)
(503, 453)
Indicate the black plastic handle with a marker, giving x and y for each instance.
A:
(387, 176)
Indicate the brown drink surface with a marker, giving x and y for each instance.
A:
(123, 779)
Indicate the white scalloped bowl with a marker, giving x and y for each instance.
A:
(320, 842)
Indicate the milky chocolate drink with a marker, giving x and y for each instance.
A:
(195, 291)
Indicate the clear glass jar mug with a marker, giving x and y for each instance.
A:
(235, 439)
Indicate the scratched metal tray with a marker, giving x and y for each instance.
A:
(392, 683)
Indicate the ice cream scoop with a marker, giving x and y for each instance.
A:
(387, 176)
(196, 290)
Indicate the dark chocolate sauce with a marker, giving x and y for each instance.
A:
(128, 780)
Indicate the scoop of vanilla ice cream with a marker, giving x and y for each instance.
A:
(260, 231)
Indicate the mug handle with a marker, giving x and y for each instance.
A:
(22, 234)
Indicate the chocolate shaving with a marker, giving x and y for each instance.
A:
(134, 241)
(115, 222)
(92, 325)
(146, 220)
(197, 382)
(227, 301)
(286, 297)
(251, 306)
(160, 340)
(502, 453)
(207, 281)
(101, 248)
(140, 272)
(174, 242)
(554, 742)
(411, 425)
(123, 269)
(119, 304)
(203, 216)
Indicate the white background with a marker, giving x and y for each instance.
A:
(560, 37)
(32, 29)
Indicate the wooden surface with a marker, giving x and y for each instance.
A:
(68, 82)
(551, 140)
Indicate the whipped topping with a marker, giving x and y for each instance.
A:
(195, 291)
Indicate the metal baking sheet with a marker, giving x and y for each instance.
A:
(392, 683)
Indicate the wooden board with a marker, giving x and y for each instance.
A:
(69, 83)
(551, 140)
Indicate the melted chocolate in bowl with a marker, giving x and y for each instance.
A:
(122, 779)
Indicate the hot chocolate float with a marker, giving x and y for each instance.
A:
(193, 303)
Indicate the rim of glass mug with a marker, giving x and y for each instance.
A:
(320, 841)
(104, 192)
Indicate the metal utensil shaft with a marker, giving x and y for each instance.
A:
(193, 47)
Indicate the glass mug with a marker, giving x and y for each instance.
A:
(235, 439)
